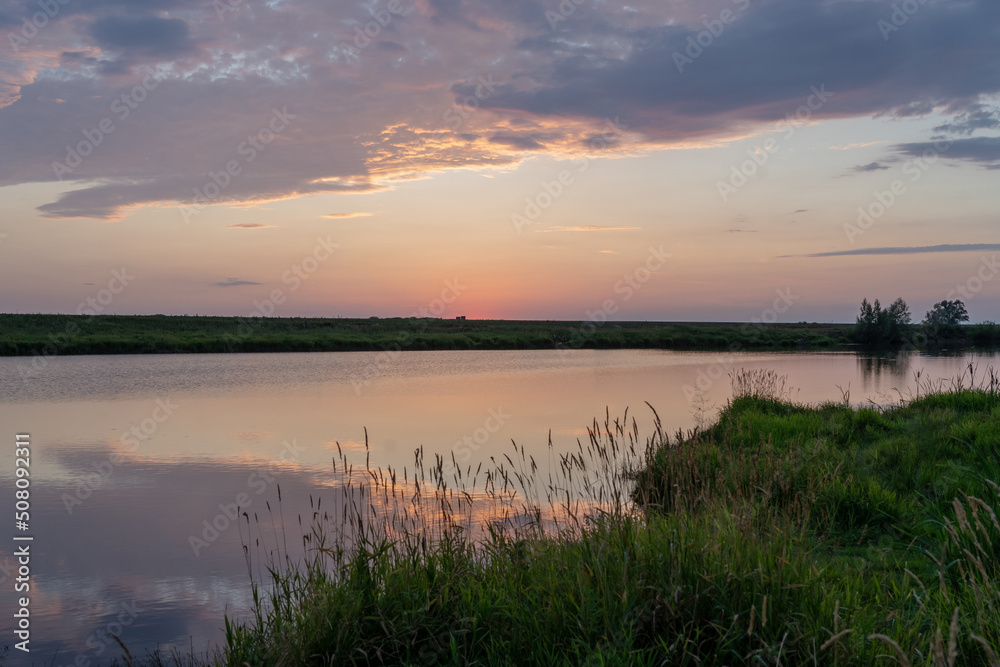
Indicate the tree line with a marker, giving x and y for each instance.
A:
(887, 327)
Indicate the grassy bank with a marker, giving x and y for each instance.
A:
(27, 335)
(784, 534)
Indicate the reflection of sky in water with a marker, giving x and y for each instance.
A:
(127, 540)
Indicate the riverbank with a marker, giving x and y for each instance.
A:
(783, 534)
(28, 335)
(799, 534)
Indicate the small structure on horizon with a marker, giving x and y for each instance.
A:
(460, 317)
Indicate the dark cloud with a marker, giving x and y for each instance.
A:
(795, 45)
(235, 282)
(445, 12)
(392, 47)
(146, 7)
(548, 89)
(982, 150)
(977, 117)
(913, 250)
(871, 166)
(157, 37)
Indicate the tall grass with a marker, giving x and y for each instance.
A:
(395, 548)
(782, 535)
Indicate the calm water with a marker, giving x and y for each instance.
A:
(132, 454)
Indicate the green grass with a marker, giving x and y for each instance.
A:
(28, 335)
(783, 534)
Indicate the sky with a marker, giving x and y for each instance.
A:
(710, 160)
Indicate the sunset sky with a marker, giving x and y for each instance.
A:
(526, 159)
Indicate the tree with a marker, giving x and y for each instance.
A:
(943, 320)
(878, 327)
(899, 313)
(947, 314)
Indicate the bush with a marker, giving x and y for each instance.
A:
(943, 322)
(879, 328)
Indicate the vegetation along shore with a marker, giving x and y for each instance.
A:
(49, 335)
(783, 534)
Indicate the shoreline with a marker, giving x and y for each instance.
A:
(51, 335)
(811, 533)
(54, 335)
(827, 532)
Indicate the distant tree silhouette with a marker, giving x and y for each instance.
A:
(947, 313)
(878, 327)
(942, 322)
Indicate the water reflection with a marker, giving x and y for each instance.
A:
(879, 369)
(132, 512)
(905, 372)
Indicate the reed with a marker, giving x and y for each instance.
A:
(782, 534)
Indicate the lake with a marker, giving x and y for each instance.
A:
(132, 456)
